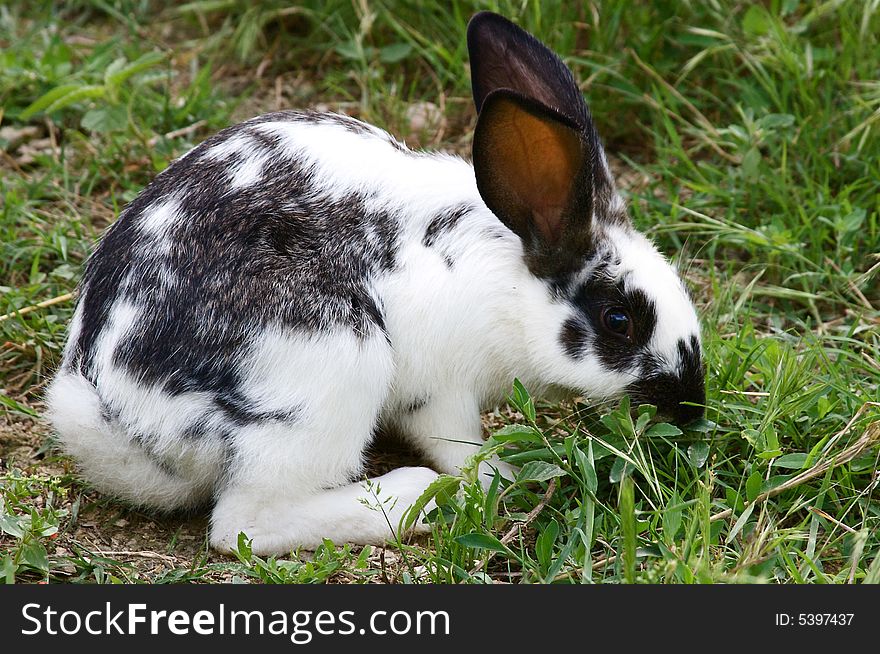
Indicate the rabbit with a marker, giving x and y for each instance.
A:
(300, 280)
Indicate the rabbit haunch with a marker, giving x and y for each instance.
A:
(300, 280)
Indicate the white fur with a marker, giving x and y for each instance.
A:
(344, 162)
(233, 145)
(457, 336)
(157, 219)
(645, 268)
(73, 329)
(109, 460)
(360, 513)
(248, 172)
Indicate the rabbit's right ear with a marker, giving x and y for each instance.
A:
(505, 56)
(536, 151)
(532, 171)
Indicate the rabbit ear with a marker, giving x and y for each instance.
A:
(537, 156)
(504, 56)
(531, 169)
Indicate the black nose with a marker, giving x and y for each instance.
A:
(683, 414)
(668, 393)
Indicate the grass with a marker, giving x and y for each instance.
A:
(746, 138)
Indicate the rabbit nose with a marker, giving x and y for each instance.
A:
(674, 391)
(668, 392)
(687, 413)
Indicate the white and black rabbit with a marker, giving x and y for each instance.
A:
(301, 279)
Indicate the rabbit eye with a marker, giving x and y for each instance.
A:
(618, 322)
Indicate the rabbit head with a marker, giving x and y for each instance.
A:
(540, 167)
